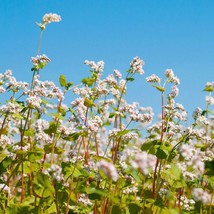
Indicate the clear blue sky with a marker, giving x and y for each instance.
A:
(177, 34)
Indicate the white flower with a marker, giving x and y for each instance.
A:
(169, 73)
(201, 195)
(117, 74)
(153, 78)
(108, 169)
(51, 17)
(97, 67)
(209, 100)
(40, 59)
(136, 65)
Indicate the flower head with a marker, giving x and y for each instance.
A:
(137, 65)
(51, 17)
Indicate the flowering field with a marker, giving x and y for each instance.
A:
(100, 154)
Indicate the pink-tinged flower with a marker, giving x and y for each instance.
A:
(201, 195)
(108, 169)
(96, 67)
(153, 78)
(117, 74)
(137, 65)
(51, 17)
(40, 60)
(169, 73)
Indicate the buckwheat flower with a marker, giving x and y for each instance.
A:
(51, 17)
(169, 73)
(201, 195)
(96, 67)
(202, 120)
(197, 113)
(7, 74)
(175, 91)
(153, 78)
(117, 74)
(34, 101)
(83, 199)
(41, 138)
(209, 100)
(145, 162)
(2, 90)
(55, 172)
(122, 85)
(40, 60)
(186, 204)
(111, 80)
(108, 169)
(41, 125)
(137, 65)
(5, 188)
(175, 80)
(95, 123)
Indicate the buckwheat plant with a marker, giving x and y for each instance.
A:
(98, 153)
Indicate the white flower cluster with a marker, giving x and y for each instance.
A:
(5, 188)
(11, 108)
(40, 59)
(145, 162)
(186, 204)
(130, 189)
(46, 89)
(80, 109)
(201, 195)
(153, 78)
(96, 67)
(83, 199)
(95, 123)
(137, 65)
(209, 100)
(34, 101)
(197, 113)
(51, 17)
(171, 76)
(108, 169)
(55, 172)
(117, 74)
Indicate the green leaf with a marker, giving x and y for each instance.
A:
(130, 79)
(123, 132)
(69, 170)
(111, 115)
(29, 132)
(2, 157)
(35, 155)
(88, 81)
(62, 80)
(162, 152)
(89, 103)
(53, 126)
(43, 187)
(68, 85)
(209, 168)
(159, 88)
(134, 208)
(208, 88)
(18, 116)
(48, 148)
(4, 164)
(94, 196)
(116, 209)
(57, 115)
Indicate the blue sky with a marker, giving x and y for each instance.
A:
(177, 34)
